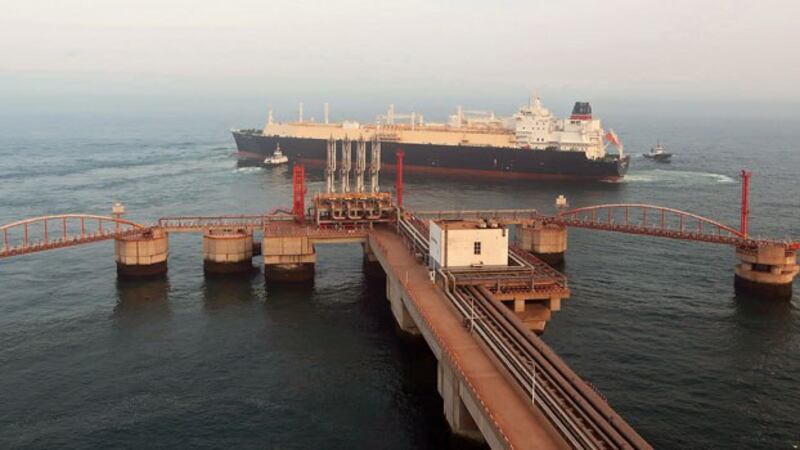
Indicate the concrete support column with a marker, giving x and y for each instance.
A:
(546, 242)
(534, 312)
(227, 250)
(288, 258)
(372, 267)
(767, 271)
(455, 411)
(143, 254)
(394, 293)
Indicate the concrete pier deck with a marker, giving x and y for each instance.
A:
(504, 417)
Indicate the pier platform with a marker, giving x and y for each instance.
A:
(499, 412)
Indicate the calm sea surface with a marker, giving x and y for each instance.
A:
(88, 361)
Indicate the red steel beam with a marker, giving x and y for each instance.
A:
(299, 192)
(745, 212)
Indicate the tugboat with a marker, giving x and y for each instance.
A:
(658, 153)
(277, 158)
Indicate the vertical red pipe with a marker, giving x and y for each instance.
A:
(745, 201)
(299, 192)
(399, 182)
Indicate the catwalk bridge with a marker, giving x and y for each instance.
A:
(66, 230)
(498, 379)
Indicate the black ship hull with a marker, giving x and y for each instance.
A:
(472, 161)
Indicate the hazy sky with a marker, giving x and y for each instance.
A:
(676, 48)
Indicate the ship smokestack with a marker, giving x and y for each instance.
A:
(300, 112)
(326, 109)
(581, 111)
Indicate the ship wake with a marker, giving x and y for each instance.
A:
(677, 177)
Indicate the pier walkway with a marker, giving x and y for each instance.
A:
(503, 416)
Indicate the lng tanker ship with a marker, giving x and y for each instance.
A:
(531, 144)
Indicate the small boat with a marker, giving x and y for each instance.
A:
(658, 153)
(277, 158)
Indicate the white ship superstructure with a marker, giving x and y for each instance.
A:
(535, 127)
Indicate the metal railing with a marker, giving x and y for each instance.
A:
(195, 223)
(583, 417)
(504, 215)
